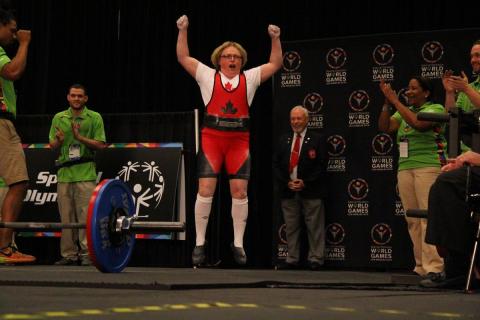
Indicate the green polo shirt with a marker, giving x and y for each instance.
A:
(463, 102)
(9, 101)
(425, 148)
(91, 126)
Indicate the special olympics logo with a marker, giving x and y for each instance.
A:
(402, 96)
(282, 233)
(382, 144)
(335, 234)
(313, 102)
(336, 58)
(432, 51)
(291, 61)
(147, 183)
(358, 189)
(383, 54)
(359, 100)
(381, 234)
(336, 145)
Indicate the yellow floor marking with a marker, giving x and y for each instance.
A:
(201, 305)
(247, 305)
(290, 306)
(18, 316)
(392, 311)
(341, 309)
(125, 310)
(223, 305)
(153, 308)
(90, 311)
(445, 314)
(57, 314)
(178, 306)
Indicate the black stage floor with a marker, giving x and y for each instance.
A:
(50, 292)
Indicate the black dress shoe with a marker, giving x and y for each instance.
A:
(286, 266)
(440, 281)
(239, 254)
(198, 255)
(66, 262)
(315, 266)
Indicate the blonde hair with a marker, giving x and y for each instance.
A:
(215, 57)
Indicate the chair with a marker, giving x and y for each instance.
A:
(473, 201)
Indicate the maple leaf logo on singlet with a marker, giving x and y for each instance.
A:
(228, 86)
(229, 108)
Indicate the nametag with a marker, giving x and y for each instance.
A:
(403, 148)
(74, 152)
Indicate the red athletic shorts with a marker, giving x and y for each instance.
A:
(228, 148)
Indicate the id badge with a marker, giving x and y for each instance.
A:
(74, 152)
(403, 147)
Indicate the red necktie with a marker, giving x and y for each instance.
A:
(295, 151)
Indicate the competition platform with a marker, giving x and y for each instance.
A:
(204, 278)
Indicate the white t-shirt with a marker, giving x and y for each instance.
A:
(205, 77)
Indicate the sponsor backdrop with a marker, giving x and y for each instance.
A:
(152, 170)
(337, 81)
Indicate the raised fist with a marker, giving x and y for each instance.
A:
(182, 22)
(23, 36)
(273, 31)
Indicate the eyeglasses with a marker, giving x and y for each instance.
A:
(231, 56)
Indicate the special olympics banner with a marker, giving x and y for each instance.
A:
(153, 171)
(337, 81)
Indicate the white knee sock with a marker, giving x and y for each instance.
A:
(239, 216)
(203, 205)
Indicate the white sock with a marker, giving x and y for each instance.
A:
(239, 216)
(203, 205)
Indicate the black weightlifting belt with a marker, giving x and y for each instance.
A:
(226, 124)
(7, 115)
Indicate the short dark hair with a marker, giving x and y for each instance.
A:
(6, 17)
(476, 42)
(426, 85)
(78, 86)
(6, 12)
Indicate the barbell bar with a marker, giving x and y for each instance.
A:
(136, 227)
(111, 226)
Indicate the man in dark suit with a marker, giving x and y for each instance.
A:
(299, 166)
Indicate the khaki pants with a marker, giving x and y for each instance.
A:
(13, 167)
(73, 199)
(414, 186)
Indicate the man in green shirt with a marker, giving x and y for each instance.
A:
(78, 132)
(13, 168)
(468, 94)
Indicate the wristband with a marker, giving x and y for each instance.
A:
(386, 107)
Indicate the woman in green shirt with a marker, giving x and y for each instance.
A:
(421, 155)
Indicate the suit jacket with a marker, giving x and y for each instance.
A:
(311, 166)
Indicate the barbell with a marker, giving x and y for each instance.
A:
(111, 226)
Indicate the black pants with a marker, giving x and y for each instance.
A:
(449, 224)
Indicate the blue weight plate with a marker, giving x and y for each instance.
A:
(109, 251)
